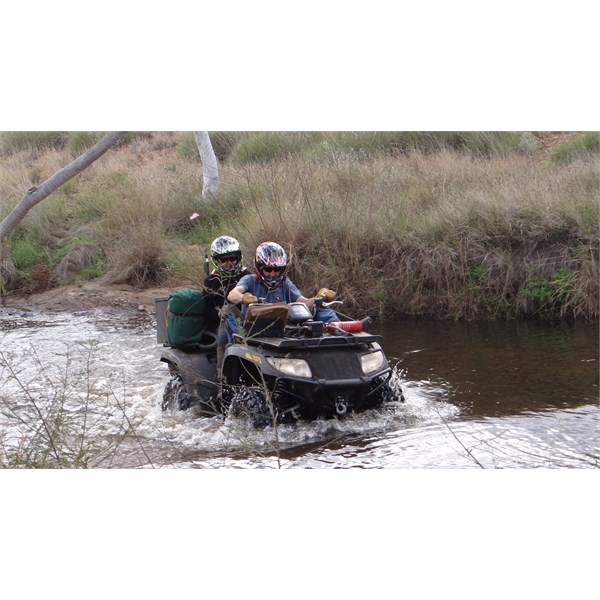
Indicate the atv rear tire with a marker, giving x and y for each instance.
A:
(250, 404)
(174, 396)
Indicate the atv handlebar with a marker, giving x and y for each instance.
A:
(332, 303)
(319, 301)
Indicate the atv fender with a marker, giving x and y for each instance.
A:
(198, 370)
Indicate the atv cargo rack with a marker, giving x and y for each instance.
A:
(356, 339)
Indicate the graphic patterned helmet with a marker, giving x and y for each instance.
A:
(270, 262)
(226, 247)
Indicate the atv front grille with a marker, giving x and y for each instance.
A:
(312, 401)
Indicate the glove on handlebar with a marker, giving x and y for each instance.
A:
(248, 298)
(328, 294)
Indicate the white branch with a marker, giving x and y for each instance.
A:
(210, 168)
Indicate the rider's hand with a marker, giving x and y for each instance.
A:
(329, 295)
(248, 298)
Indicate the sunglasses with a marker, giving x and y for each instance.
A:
(228, 258)
(272, 269)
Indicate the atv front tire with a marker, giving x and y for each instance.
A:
(250, 404)
(386, 394)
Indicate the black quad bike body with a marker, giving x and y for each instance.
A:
(281, 366)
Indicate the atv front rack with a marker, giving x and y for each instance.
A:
(328, 340)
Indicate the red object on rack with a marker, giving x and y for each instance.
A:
(349, 326)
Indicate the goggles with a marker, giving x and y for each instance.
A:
(227, 258)
(272, 270)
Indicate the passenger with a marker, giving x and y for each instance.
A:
(270, 283)
(226, 255)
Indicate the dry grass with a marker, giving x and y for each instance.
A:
(447, 233)
(444, 235)
(82, 257)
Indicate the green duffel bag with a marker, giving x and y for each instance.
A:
(186, 318)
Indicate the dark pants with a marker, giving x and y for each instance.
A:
(230, 318)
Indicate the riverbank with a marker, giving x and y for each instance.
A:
(87, 296)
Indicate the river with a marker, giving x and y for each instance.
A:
(82, 389)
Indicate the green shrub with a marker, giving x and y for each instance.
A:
(78, 239)
(584, 145)
(475, 277)
(94, 271)
(264, 146)
(26, 253)
(16, 141)
(97, 203)
(549, 294)
(223, 142)
(80, 141)
(370, 142)
(482, 143)
(476, 143)
(187, 147)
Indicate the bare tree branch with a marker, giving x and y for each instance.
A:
(37, 194)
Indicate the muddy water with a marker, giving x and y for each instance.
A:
(493, 395)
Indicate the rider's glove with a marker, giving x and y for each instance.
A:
(248, 298)
(329, 295)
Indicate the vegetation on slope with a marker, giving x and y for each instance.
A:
(440, 224)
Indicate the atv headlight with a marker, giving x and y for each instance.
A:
(372, 361)
(290, 366)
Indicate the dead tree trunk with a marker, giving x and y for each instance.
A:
(37, 194)
(210, 168)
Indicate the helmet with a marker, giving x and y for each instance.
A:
(270, 255)
(225, 246)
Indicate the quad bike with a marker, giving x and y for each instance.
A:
(282, 365)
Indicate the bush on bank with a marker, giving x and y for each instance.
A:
(440, 224)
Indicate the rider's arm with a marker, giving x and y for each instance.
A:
(293, 294)
(324, 314)
(310, 302)
(235, 295)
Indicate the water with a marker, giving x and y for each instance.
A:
(493, 395)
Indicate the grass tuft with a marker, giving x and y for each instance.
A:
(583, 146)
(18, 141)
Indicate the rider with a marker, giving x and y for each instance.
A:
(226, 255)
(269, 282)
